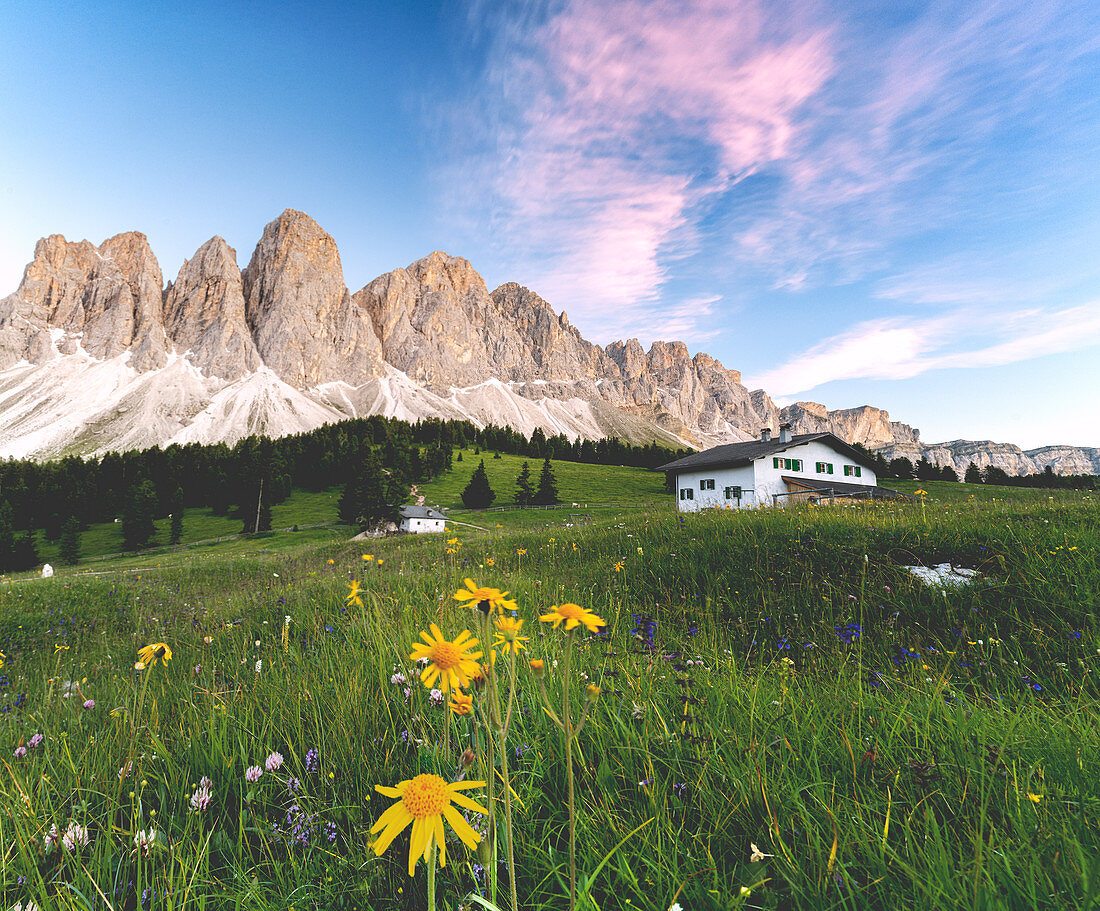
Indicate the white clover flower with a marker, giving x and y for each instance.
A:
(252, 774)
(145, 840)
(259, 665)
(76, 836)
(274, 762)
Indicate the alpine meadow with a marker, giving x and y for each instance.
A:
(758, 709)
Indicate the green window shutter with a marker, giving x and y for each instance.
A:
(775, 463)
(859, 472)
(830, 471)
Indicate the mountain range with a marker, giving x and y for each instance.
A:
(98, 354)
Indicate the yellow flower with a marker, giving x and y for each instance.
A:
(461, 703)
(573, 615)
(619, 564)
(521, 551)
(451, 662)
(353, 593)
(368, 557)
(477, 594)
(507, 635)
(158, 651)
(490, 562)
(538, 667)
(424, 801)
(330, 561)
(1034, 798)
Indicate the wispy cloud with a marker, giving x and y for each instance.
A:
(905, 347)
(616, 120)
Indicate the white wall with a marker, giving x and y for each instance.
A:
(421, 526)
(760, 481)
(709, 499)
(768, 480)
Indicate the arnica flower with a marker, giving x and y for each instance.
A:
(156, 651)
(507, 635)
(353, 593)
(452, 663)
(424, 801)
(461, 703)
(476, 595)
(573, 615)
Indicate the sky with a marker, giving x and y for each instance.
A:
(851, 202)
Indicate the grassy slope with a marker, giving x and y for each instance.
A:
(577, 482)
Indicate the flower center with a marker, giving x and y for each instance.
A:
(445, 656)
(571, 611)
(426, 795)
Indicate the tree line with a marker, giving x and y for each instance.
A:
(62, 498)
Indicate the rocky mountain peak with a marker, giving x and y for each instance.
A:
(204, 313)
(303, 321)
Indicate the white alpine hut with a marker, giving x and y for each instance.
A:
(805, 467)
(420, 520)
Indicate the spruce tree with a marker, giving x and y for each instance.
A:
(547, 493)
(26, 552)
(478, 494)
(525, 490)
(175, 533)
(137, 515)
(372, 497)
(70, 541)
(973, 474)
(7, 537)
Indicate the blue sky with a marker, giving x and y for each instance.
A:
(850, 202)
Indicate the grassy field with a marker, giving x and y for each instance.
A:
(788, 718)
(577, 482)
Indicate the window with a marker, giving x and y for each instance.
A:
(706, 484)
(853, 471)
(687, 494)
(823, 467)
(733, 493)
(788, 464)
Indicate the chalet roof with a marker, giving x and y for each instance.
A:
(826, 486)
(734, 455)
(421, 512)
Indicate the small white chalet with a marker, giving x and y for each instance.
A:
(420, 520)
(812, 467)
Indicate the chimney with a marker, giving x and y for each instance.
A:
(765, 434)
(784, 433)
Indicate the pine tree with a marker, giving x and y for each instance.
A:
(7, 537)
(478, 494)
(70, 541)
(525, 490)
(137, 515)
(26, 552)
(372, 497)
(175, 533)
(547, 493)
(973, 474)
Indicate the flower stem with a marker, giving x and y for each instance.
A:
(431, 877)
(567, 725)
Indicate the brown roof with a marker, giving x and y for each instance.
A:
(734, 455)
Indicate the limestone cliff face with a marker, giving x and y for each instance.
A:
(304, 323)
(204, 312)
(438, 324)
(554, 349)
(107, 299)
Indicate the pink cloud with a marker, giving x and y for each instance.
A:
(622, 106)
